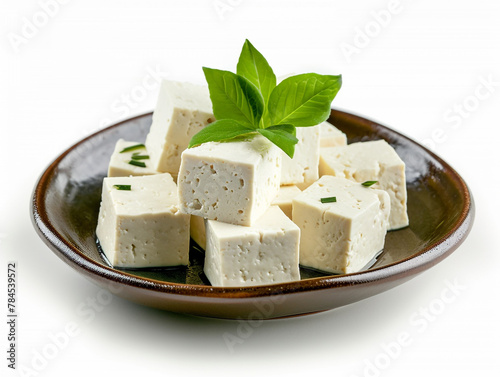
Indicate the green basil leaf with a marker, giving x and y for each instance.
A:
(253, 66)
(234, 97)
(283, 136)
(220, 130)
(303, 100)
(254, 99)
(288, 128)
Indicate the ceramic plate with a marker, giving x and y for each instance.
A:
(66, 203)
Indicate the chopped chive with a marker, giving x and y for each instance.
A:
(132, 148)
(137, 163)
(331, 199)
(140, 157)
(123, 187)
(369, 183)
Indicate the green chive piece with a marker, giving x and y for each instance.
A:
(123, 187)
(369, 183)
(331, 199)
(137, 163)
(132, 148)
(140, 157)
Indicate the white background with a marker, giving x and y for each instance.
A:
(71, 75)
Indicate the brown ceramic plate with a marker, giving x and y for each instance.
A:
(66, 203)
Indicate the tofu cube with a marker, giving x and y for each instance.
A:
(120, 166)
(183, 109)
(303, 167)
(330, 136)
(265, 253)
(344, 236)
(143, 226)
(371, 161)
(233, 182)
(285, 197)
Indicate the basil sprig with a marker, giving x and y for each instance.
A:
(249, 102)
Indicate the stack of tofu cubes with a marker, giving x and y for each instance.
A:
(256, 212)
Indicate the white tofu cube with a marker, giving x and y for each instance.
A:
(125, 163)
(285, 197)
(371, 161)
(331, 136)
(303, 167)
(344, 236)
(183, 109)
(143, 226)
(265, 253)
(233, 182)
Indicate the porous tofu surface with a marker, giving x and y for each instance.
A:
(343, 236)
(371, 161)
(233, 182)
(183, 109)
(265, 253)
(143, 226)
(331, 136)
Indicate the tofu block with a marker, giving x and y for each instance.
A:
(344, 236)
(371, 161)
(197, 230)
(284, 199)
(143, 227)
(234, 182)
(266, 253)
(330, 136)
(119, 164)
(303, 167)
(183, 109)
